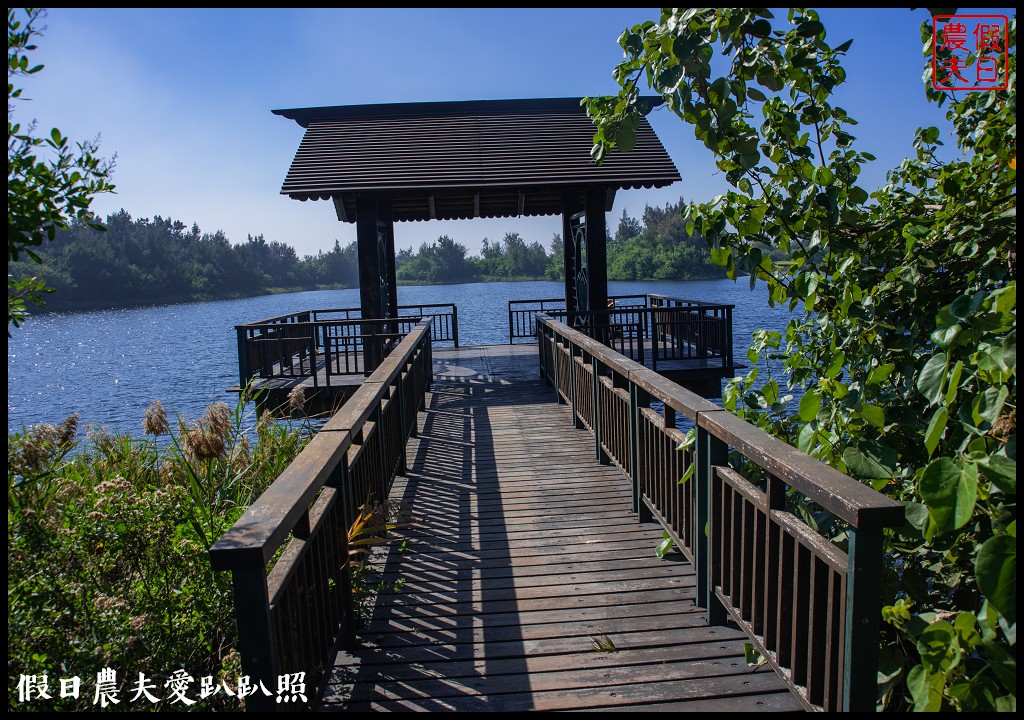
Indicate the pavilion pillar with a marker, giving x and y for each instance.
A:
(597, 260)
(572, 253)
(385, 221)
(371, 244)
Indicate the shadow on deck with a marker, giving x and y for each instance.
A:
(525, 551)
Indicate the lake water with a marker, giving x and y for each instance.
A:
(109, 365)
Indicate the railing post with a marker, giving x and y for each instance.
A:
(638, 400)
(597, 369)
(339, 480)
(255, 634)
(654, 341)
(455, 324)
(863, 589)
(377, 417)
(728, 337)
(312, 352)
(399, 397)
(243, 357)
(539, 333)
(577, 421)
(709, 451)
(510, 330)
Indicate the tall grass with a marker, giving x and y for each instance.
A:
(107, 551)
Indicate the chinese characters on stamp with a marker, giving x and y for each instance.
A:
(968, 52)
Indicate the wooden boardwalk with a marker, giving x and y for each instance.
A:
(524, 552)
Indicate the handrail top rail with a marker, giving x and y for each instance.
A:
(400, 307)
(277, 318)
(648, 310)
(253, 539)
(333, 322)
(707, 303)
(833, 490)
(562, 299)
(647, 296)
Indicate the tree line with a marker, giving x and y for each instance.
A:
(163, 260)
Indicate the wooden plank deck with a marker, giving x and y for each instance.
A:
(524, 550)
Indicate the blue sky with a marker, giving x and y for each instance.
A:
(184, 98)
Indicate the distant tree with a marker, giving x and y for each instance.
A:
(49, 183)
(556, 261)
(628, 228)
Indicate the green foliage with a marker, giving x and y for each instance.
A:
(906, 351)
(373, 527)
(107, 546)
(50, 183)
(659, 248)
(163, 260)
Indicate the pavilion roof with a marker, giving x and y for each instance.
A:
(461, 160)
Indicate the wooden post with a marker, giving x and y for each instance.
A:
(709, 451)
(638, 400)
(256, 636)
(244, 368)
(863, 611)
(596, 371)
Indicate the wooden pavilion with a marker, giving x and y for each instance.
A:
(380, 164)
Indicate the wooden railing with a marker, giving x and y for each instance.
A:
(444, 317)
(809, 607)
(521, 313)
(295, 613)
(644, 327)
(336, 339)
(660, 334)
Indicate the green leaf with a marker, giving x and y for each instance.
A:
(1001, 471)
(767, 78)
(936, 427)
(926, 689)
(880, 374)
(950, 492)
(989, 405)
(871, 460)
(760, 28)
(822, 176)
(858, 195)
(755, 94)
(944, 336)
(835, 367)
(954, 382)
(873, 414)
(810, 28)
(665, 545)
(809, 405)
(805, 438)
(916, 515)
(929, 382)
(1003, 664)
(937, 646)
(996, 572)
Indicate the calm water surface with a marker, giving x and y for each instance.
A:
(109, 365)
